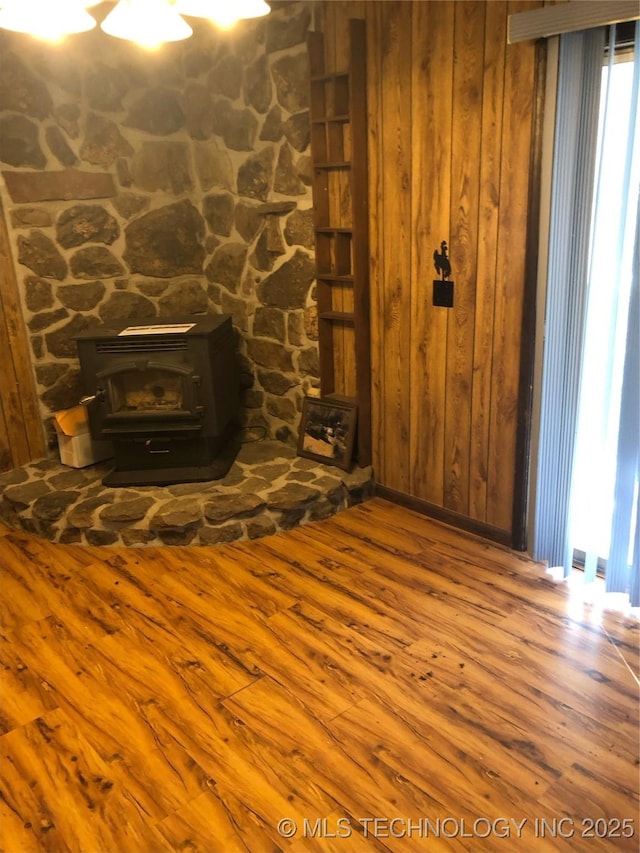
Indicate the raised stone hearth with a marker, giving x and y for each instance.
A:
(268, 489)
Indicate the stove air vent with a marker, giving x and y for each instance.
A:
(148, 343)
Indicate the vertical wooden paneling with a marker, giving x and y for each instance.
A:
(468, 52)
(21, 434)
(397, 242)
(14, 443)
(5, 450)
(331, 298)
(489, 207)
(525, 432)
(361, 290)
(337, 59)
(510, 273)
(344, 295)
(431, 123)
(374, 128)
(339, 143)
(450, 118)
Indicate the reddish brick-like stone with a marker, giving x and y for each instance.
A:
(58, 186)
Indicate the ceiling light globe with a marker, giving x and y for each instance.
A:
(148, 23)
(46, 20)
(223, 13)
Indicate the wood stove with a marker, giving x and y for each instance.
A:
(166, 395)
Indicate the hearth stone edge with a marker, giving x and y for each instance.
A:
(268, 489)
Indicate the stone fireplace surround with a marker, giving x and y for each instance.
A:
(268, 489)
(138, 187)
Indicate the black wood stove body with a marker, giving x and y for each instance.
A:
(166, 395)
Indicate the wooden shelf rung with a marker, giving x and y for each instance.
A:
(337, 317)
(342, 164)
(327, 78)
(342, 279)
(341, 119)
(327, 229)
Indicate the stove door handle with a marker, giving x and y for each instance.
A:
(91, 398)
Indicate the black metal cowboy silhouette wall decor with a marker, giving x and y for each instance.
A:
(442, 289)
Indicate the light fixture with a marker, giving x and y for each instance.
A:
(45, 19)
(223, 12)
(149, 23)
(146, 22)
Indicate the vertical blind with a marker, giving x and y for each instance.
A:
(592, 283)
(623, 565)
(578, 101)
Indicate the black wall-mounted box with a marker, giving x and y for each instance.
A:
(443, 293)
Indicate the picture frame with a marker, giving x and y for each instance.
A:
(327, 431)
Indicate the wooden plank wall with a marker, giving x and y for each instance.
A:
(451, 115)
(335, 27)
(21, 432)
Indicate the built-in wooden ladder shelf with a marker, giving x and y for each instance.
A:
(341, 225)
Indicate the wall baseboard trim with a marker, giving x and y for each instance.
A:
(462, 522)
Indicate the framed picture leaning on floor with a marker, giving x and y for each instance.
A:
(327, 431)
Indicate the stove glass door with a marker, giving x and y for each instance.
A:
(151, 391)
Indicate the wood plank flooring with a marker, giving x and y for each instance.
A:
(378, 680)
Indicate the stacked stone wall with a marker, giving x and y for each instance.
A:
(139, 186)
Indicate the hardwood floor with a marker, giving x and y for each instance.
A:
(378, 679)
